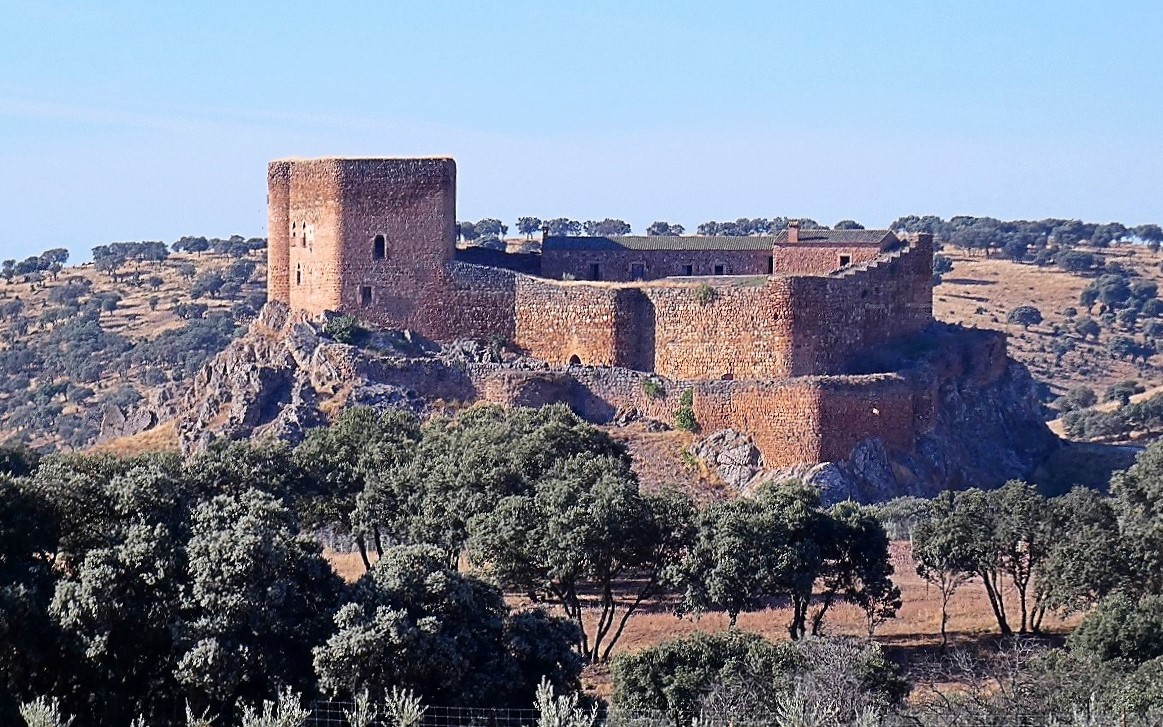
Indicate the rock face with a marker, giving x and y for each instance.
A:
(732, 455)
(272, 382)
(983, 434)
(977, 418)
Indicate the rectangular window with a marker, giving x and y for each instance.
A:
(379, 247)
(365, 295)
(845, 260)
(688, 269)
(719, 270)
(637, 271)
(595, 272)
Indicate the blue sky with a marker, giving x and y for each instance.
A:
(149, 120)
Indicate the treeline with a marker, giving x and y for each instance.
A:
(142, 584)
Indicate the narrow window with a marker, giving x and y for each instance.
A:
(379, 247)
(770, 264)
(637, 271)
(719, 269)
(298, 275)
(845, 260)
(688, 269)
(595, 272)
(365, 295)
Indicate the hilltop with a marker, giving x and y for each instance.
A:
(82, 345)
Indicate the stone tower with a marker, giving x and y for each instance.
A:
(370, 236)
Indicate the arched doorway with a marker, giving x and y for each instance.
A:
(575, 360)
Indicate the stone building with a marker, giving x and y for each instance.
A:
(776, 336)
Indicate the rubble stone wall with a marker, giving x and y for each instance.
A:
(618, 265)
(817, 258)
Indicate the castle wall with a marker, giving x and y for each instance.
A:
(616, 265)
(839, 318)
(314, 240)
(557, 321)
(742, 331)
(278, 231)
(817, 258)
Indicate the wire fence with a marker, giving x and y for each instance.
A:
(335, 714)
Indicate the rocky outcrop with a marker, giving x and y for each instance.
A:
(984, 430)
(975, 414)
(732, 455)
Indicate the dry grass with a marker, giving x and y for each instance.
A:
(917, 627)
(996, 286)
(162, 438)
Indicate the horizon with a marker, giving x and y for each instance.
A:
(139, 122)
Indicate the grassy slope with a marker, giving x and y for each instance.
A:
(132, 318)
(998, 286)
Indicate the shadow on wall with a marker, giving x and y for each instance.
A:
(642, 331)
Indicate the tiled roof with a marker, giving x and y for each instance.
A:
(883, 238)
(660, 242)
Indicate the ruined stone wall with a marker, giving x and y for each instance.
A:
(617, 265)
(314, 238)
(742, 331)
(278, 231)
(817, 258)
(557, 321)
(852, 409)
(838, 319)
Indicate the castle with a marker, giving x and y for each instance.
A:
(773, 335)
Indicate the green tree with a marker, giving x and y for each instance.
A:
(263, 595)
(942, 549)
(1087, 559)
(1025, 316)
(528, 226)
(1024, 537)
(1138, 501)
(1087, 328)
(414, 623)
(585, 527)
(29, 647)
(338, 462)
(664, 229)
(1122, 628)
(1122, 391)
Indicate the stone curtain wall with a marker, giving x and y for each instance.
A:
(615, 265)
(818, 258)
(840, 318)
(558, 320)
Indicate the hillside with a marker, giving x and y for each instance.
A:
(982, 291)
(74, 342)
(92, 339)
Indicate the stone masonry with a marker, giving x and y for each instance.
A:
(764, 330)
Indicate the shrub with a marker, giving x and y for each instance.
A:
(1025, 316)
(345, 329)
(1078, 397)
(704, 294)
(653, 389)
(1123, 391)
(1121, 628)
(684, 416)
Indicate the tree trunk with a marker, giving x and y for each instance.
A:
(363, 552)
